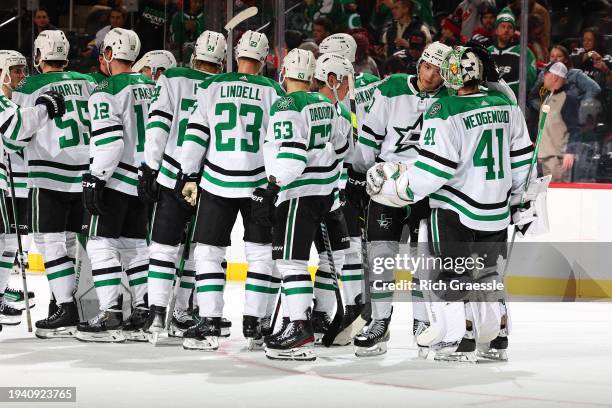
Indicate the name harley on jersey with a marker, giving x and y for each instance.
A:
(68, 89)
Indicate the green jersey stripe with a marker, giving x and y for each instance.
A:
(160, 125)
(59, 274)
(161, 275)
(297, 291)
(108, 282)
(53, 176)
(107, 140)
(138, 281)
(520, 163)
(468, 213)
(125, 179)
(292, 156)
(166, 172)
(234, 184)
(433, 170)
(210, 288)
(368, 142)
(17, 126)
(193, 138)
(260, 289)
(304, 182)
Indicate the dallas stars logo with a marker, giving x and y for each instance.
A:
(408, 136)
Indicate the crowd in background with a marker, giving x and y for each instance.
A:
(390, 37)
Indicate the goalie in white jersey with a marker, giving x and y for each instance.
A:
(305, 146)
(475, 153)
(118, 223)
(175, 99)
(226, 131)
(57, 156)
(16, 124)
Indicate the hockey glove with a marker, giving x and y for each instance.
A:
(93, 194)
(54, 102)
(148, 189)
(186, 188)
(490, 72)
(356, 194)
(262, 204)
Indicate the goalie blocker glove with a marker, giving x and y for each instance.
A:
(148, 189)
(54, 102)
(93, 194)
(262, 206)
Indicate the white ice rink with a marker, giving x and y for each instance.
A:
(560, 356)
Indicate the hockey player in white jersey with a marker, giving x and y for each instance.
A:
(391, 131)
(14, 122)
(226, 131)
(154, 63)
(304, 149)
(117, 227)
(474, 155)
(57, 156)
(175, 98)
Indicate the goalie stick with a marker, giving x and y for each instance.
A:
(334, 326)
(21, 262)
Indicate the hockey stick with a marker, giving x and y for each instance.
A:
(179, 274)
(290, 9)
(240, 17)
(534, 160)
(334, 326)
(20, 256)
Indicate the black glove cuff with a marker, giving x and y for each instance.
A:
(273, 189)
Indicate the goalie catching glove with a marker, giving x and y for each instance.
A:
(387, 184)
(532, 216)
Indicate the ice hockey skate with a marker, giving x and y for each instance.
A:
(180, 322)
(463, 351)
(9, 315)
(204, 336)
(352, 323)
(295, 342)
(251, 330)
(155, 325)
(16, 299)
(373, 341)
(106, 327)
(62, 323)
(496, 349)
(133, 327)
(320, 325)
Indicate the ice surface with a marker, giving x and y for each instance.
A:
(560, 355)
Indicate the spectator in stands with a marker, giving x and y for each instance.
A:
(450, 31)
(330, 9)
(310, 46)
(322, 28)
(535, 33)
(506, 52)
(577, 84)
(485, 33)
(353, 19)
(535, 8)
(116, 19)
(381, 16)
(363, 61)
(150, 25)
(42, 22)
(592, 57)
(185, 27)
(403, 25)
(561, 130)
(394, 65)
(413, 53)
(467, 10)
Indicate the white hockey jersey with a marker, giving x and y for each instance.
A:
(306, 143)
(17, 125)
(391, 128)
(58, 153)
(173, 102)
(20, 174)
(475, 151)
(119, 107)
(227, 130)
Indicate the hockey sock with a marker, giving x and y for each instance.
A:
(380, 275)
(352, 272)
(261, 285)
(186, 284)
(210, 279)
(161, 272)
(7, 259)
(59, 268)
(324, 282)
(274, 287)
(135, 260)
(297, 286)
(106, 270)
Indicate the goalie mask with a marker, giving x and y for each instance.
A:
(50, 45)
(298, 64)
(460, 67)
(341, 44)
(210, 47)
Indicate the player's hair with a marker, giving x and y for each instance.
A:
(406, 3)
(118, 9)
(325, 22)
(56, 64)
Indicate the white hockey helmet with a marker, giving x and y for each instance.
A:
(210, 47)
(299, 64)
(434, 54)
(125, 44)
(50, 45)
(341, 44)
(333, 64)
(8, 59)
(461, 65)
(253, 45)
(155, 60)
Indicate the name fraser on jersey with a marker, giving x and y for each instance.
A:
(240, 91)
(142, 94)
(485, 118)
